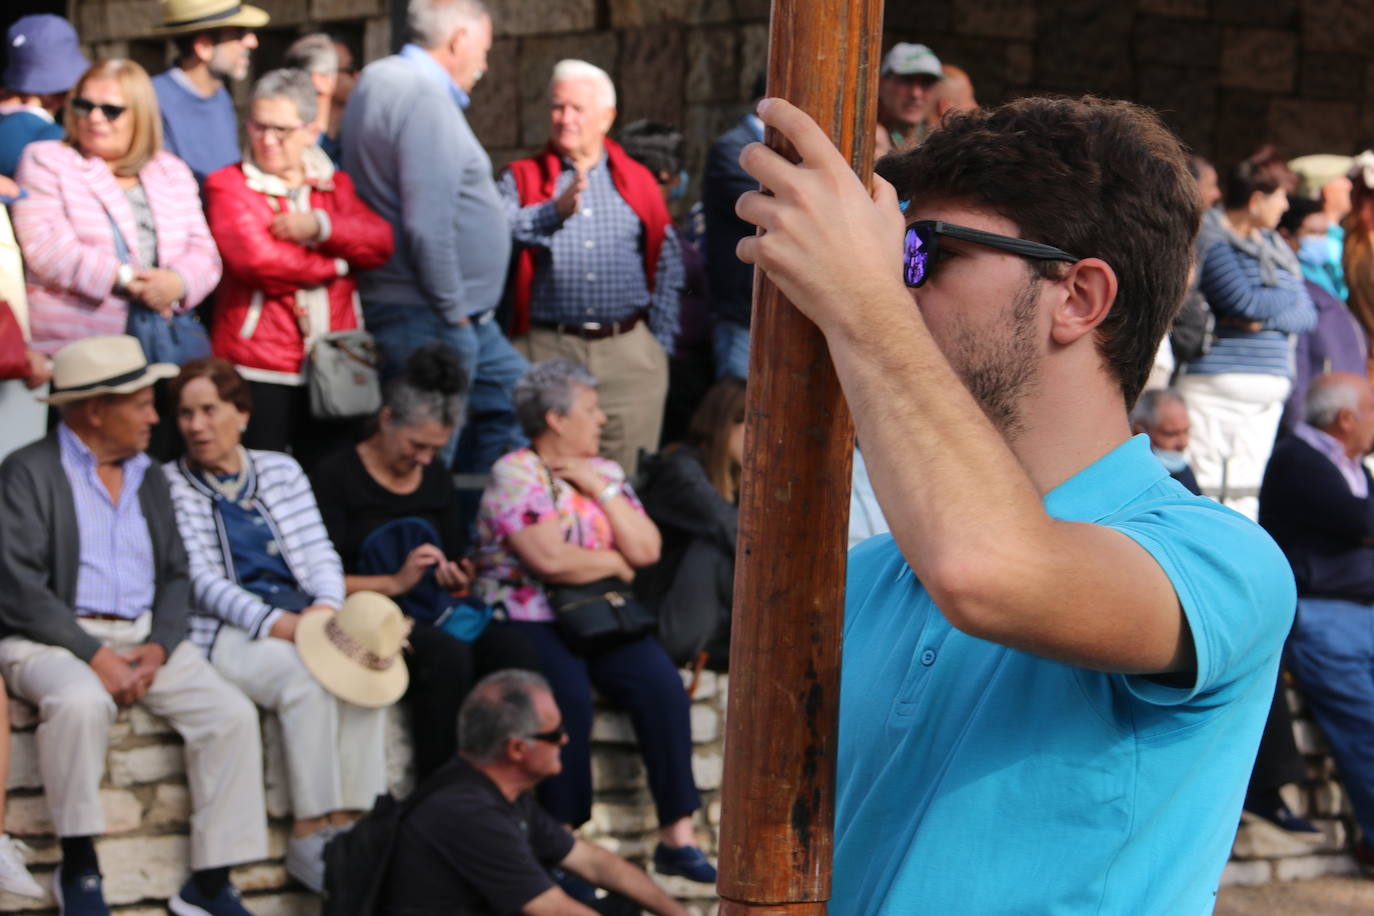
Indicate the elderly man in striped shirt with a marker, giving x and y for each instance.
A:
(599, 270)
(94, 592)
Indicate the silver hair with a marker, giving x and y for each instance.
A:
(547, 386)
(293, 85)
(431, 22)
(1328, 396)
(499, 708)
(1146, 409)
(571, 69)
(313, 53)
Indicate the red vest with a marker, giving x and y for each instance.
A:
(535, 180)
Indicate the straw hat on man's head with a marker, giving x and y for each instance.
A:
(355, 652)
(181, 17)
(112, 364)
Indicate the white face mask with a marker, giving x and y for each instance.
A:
(1173, 461)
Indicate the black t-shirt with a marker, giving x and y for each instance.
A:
(353, 504)
(466, 851)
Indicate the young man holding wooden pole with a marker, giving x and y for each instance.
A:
(1057, 667)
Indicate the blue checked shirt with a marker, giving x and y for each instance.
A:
(116, 574)
(590, 267)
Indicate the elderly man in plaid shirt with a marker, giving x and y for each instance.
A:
(599, 269)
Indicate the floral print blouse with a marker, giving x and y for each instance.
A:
(522, 493)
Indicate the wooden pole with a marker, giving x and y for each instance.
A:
(777, 807)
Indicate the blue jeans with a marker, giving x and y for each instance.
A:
(731, 344)
(1331, 654)
(492, 367)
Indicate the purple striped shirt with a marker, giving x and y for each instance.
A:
(116, 574)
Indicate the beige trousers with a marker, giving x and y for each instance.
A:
(335, 751)
(632, 372)
(217, 722)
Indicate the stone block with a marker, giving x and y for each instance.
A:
(753, 59)
(24, 772)
(537, 57)
(1259, 839)
(1334, 832)
(152, 763)
(133, 18)
(713, 813)
(621, 818)
(542, 17)
(1328, 799)
(260, 876)
(1295, 707)
(753, 10)
(652, 71)
(706, 724)
(376, 38)
(703, 11)
(1246, 874)
(143, 723)
(708, 769)
(617, 769)
(1175, 42)
(1263, 60)
(1019, 63)
(995, 19)
(1295, 798)
(1302, 126)
(1331, 76)
(636, 13)
(1195, 9)
(1085, 43)
(1281, 13)
(170, 806)
(324, 10)
(496, 99)
(286, 12)
(1336, 25)
(612, 727)
(1186, 98)
(1305, 867)
(296, 903)
(93, 22)
(712, 68)
(914, 20)
(140, 868)
(23, 714)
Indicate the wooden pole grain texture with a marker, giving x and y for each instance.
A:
(777, 806)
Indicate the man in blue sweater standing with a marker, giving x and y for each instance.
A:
(415, 160)
(1318, 504)
(214, 40)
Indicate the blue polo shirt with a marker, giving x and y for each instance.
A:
(974, 778)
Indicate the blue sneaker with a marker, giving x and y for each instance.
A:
(685, 861)
(189, 901)
(79, 894)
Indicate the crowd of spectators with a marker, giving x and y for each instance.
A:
(548, 331)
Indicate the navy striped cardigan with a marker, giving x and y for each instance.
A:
(281, 490)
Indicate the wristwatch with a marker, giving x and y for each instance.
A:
(124, 276)
(608, 493)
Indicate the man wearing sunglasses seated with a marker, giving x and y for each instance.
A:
(1057, 667)
(475, 841)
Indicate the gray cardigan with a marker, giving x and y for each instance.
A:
(414, 159)
(40, 553)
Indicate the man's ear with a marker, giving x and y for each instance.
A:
(203, 47)
(1089, 291)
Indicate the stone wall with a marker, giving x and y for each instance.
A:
(144, 851)
(1227, 74)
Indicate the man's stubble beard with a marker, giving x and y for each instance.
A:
(1000, 370)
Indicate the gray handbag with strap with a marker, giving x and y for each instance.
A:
(343, 376)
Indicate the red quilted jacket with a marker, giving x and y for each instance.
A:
(254, 323)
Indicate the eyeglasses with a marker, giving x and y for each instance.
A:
(552, 736)
(921, 252)
(83, 108)
(279, 132)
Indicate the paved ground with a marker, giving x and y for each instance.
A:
(1343, 896)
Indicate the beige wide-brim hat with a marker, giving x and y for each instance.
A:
(355, 652)
(1316, 170)
(112, 364)
(182, 16)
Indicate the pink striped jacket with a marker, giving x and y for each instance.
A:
(63, 227)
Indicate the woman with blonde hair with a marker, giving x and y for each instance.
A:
(109, 216)
(691, 491)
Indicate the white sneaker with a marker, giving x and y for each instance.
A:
(305, 858)
(14, 876)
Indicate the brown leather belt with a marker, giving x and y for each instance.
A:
(593, 330)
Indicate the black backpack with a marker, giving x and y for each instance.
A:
(356, 861)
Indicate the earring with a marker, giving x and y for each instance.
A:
(243, 429)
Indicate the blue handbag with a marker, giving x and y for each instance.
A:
(178, 339)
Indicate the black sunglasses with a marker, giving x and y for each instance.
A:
(552, 736)
(921, 251)
(84, 107)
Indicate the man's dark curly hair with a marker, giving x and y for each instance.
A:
(1095, 177)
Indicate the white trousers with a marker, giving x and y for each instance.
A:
(217, 722)
(1234, 417)
(335, 751)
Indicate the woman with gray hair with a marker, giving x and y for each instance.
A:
(292, 233)
(557, 514)
(392, 513)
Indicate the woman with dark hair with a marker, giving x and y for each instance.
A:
(691, 491)
(1358, 256)
(1253, 284)
(261, 561)
(392, 512)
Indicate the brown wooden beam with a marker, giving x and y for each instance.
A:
(777, 807)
